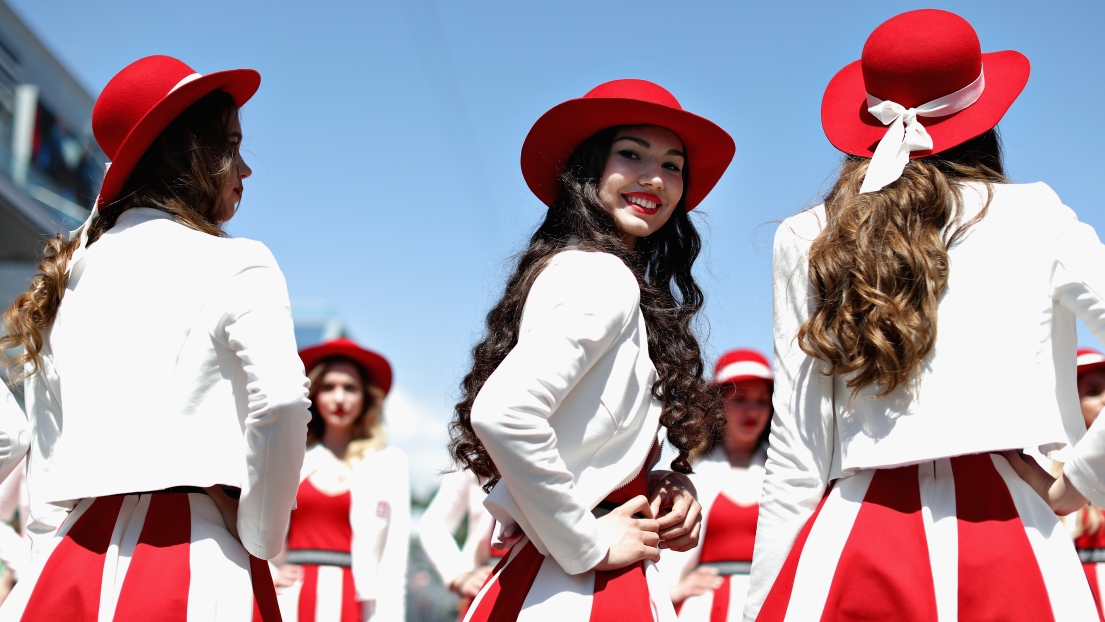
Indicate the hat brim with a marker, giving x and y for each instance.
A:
(553, 138)
(724, 381)
(1088, 367)
(853, 130)
(240, 84)
(376, 366)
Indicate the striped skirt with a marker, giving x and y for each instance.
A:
(529, 587)
(130, 558)
(724, 604)
(325, 593)
(955, 539)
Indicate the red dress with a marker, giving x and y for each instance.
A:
(729, 536)
(320, 525)
(1091, 548)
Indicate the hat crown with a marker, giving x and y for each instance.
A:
(919, 56)
(740, 355)
(640, 90)
(132, 94)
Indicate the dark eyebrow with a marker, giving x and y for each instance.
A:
(644, 143)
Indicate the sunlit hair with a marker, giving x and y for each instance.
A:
(368, 429)
(670, 298)
(880, 264)
(182, 173)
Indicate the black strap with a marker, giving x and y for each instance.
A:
(1091, 556)
(313, 557)
(231, 491)
(605, 507)
(726, 569)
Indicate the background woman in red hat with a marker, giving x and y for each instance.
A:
(349, 535)
(199, 326)
(587, 354)
(1086, 524)
(710, 581)
(892, 488)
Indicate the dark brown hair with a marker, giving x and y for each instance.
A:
(670, 298)
(182, 173)
(880, 264)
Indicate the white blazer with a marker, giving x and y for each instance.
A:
(458, 497)
(172, 362)
(569, 416)
(1001, 375)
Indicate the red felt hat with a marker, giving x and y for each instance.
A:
(912, 59)
(376, 366)
(143, 99)
(559, 131)
(742, 364)
(1089, 360)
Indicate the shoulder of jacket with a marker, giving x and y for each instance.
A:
(801, 229)
(589, 271)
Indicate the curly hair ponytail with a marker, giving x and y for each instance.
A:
(880, 265)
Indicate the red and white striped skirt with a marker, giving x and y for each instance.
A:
(955, 539)
(529, 587)
(324, 594)
(1095, 575)
(130, 558)
(724, 604)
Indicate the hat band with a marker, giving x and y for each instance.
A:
(743, 369)
(189, 78)
(906, 134)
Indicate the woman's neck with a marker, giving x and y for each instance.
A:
(740, 456)
(337, 440)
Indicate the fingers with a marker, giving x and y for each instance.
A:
(1030, 471)
(637, 505)
(684, 542)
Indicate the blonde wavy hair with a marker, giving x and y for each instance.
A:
(368, 429)
(881, 264)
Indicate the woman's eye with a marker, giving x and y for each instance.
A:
(629, 154)
(672, 166)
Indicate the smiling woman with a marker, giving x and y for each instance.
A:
(587, 354)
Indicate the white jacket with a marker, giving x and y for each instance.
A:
(569, 416)
(1001, 375)
(458, 497)
(172, 362)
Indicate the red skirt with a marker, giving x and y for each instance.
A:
(161, 556)
(956, 539)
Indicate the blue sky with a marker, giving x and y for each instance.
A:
(385, 139)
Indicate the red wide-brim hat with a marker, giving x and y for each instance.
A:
(375, 365)
(912, 59)
(1089, 360)
(552, 139)
(742, 364)
(143, 99)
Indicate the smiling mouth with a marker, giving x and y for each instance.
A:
(640, 203)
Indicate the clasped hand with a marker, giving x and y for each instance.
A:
(671, 518)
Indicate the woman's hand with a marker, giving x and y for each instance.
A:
(672, 500)
(228, 508)
(697, 582)
(631, 539)
(469, 583)
(286, 576)
(1059, 493)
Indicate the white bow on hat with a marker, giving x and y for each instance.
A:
(906, 134)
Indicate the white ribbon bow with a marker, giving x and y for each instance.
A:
(78, 253)
(906, 134)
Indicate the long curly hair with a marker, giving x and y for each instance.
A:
(368, 429)
(880, 265)
(182, 173)
(670, 298)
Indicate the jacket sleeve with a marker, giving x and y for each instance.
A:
(1078, 279)
(380, 516)
(257, 326)
(15, 430)
(580, 305)
(800, 452)
(441, 520)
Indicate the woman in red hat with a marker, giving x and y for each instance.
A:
(171, 490)
(1086, 524)
(894, 485)
(710, 581)
(587, 354)
(349, 535)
